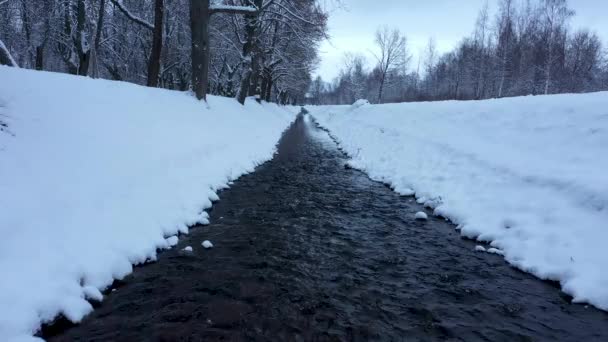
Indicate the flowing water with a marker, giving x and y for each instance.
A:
(309, 250)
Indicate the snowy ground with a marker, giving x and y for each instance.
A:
(97, 175)
(526, 174)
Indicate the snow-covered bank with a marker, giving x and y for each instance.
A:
(98, 174)
(527, 174)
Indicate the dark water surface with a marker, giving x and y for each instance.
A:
(307, 250)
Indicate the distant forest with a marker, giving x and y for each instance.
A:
(526, 48)
(263, 48)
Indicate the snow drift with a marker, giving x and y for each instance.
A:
(526, 174)
(96, 175)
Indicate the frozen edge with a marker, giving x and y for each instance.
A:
(452, 220)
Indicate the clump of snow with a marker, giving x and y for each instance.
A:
(421, 216)
(98, 173)
(228, 8)
(527, 174)
(360, 103)
(172, 241)
(479, 248)
(496, 251)
(207, 244)
(92, 293)
(188, 249)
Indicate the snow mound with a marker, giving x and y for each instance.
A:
(360, 103)
(496, 251)
(207, 244)
(188, 249)
(421, 216)
(97, 173)
(479, 248)
(172, 241)
(526, 174)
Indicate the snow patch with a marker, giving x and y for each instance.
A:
(207, 244)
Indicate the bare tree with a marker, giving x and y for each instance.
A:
(481, 28)
(556, 14)
(505, 28)
(392, 54)
(429, 65)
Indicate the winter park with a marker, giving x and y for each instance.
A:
(303, 170)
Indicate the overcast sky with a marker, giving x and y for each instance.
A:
(448, 21)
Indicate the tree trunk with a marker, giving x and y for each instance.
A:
(248, 53)
(157, 44)
(548, 71)
(84, 51)
(254, 82)
(268, 94)
(28, 32)
(40, 58)
(97, 43)
(199, 26)
(549, 60)
(381, 87)
(244, 90)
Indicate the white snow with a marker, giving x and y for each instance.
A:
(98, 173)
(421, 216)
(188, 249)
(479, 248)
(230, 8)
(360, 103)
(207, 244)
(172, 241)
(527, 174)
(495, 251)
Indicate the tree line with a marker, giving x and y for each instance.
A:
(238, 48)
(528, 48)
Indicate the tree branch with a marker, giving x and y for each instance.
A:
(232, 9)
(131, 16)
